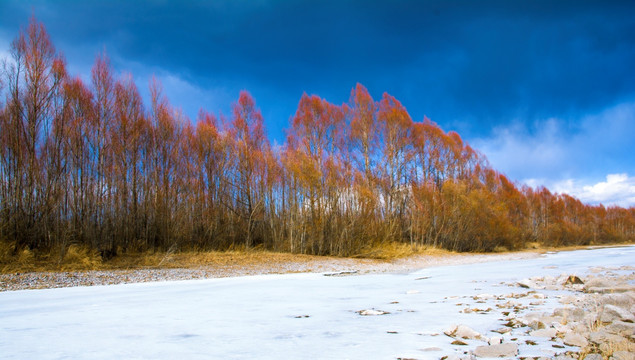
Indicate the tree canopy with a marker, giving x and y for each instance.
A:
(91, 164)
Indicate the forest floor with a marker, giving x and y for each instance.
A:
(202, 265)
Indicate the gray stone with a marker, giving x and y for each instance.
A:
(575, 314)
(563, 357)
(623, 355)
(546, 333)
(568, 299)
(581, 329)
(602, 337)
(612, 313)
(549, 279)
(593, 357)
(533, 316)
(563, 329)
(372, 312)
(526, 283)
(457, 357)
(493, 351)
(537, 325)
(622, 288)
(551, 320)
(451, 357)
(451, 331)
(434, 348)
(535, 320)
(573, 339)
(484, 297)
(623, 300)
(621, 328)
(463, 332)
(598, 282)
(495, 340)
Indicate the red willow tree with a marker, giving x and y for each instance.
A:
(33, 77)
(313, 156)
(91, 165)
(249, 148)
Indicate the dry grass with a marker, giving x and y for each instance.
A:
(74, 257)
(393, 250)
(6, 250)
(13, 258)
(194, 259)
(607, 349)
(80, 258)
(500, 249)
(77, 258)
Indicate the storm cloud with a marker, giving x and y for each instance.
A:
(485, 69)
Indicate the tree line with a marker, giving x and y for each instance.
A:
(92, 165)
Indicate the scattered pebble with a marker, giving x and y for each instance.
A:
(372, 312)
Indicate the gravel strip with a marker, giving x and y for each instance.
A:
(46, 280)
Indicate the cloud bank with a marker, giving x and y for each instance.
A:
(590, 157)
(617, 189)
(469, 66)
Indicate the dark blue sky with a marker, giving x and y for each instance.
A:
(546, 89)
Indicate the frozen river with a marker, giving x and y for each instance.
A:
(274, 316)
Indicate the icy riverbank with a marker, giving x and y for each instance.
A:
(294, 315)
(243, 265)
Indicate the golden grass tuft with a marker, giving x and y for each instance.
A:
(6, 252)
(500, 249)
(13, 258)
(75, 257)
(394, 250)
(80, 258)
(25, 257)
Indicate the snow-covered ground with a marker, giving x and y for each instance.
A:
(279, 316)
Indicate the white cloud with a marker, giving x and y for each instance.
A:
(572, 156)
(520, 154)
(5, 46)
(617, 189)
(181, 92)
(4, 54)
(5, 60)
(191, 97)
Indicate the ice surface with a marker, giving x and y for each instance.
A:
(279, 316)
